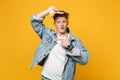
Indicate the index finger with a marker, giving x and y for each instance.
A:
(59, 12)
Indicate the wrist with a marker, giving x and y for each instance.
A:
(43, 14)
(70, 47)
(47, 11)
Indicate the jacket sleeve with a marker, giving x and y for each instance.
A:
(38, 26)
(80, 54)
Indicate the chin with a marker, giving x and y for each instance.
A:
(62, 32)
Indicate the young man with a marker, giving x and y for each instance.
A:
(59, 51)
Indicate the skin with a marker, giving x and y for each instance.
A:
(60, 23)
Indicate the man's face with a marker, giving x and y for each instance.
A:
(61, 24)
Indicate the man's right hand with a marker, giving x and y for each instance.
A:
(53, 10)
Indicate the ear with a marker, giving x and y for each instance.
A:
(67, 22)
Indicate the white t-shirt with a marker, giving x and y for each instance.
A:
(54, 65)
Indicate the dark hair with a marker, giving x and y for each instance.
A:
(65, 14)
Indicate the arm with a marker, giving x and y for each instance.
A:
(79, 53)
(51, 10)
(37, 20)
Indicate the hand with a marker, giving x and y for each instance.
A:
(64, 42)
(53, 10)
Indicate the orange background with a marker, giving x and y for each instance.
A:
(95, 22)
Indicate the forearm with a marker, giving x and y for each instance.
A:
(51, 10)
(79, 53)
(80, 56)
(43, 14)
(37, 20)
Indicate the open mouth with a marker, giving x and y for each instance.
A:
(62, 28)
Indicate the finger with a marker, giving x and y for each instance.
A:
(51, 12)
(55, 9)
(59, 12)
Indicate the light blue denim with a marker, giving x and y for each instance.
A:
(45, 78)
(48, 41)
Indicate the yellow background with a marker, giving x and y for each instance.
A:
(95, 22)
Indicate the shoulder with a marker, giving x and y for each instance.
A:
(77, 40)
(48, 30)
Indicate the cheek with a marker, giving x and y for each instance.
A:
(66, 24)
(57, 27)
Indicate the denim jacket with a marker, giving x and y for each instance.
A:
(48, 41)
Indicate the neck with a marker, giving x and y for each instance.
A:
(62, 34)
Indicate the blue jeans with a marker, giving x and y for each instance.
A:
(45, 78)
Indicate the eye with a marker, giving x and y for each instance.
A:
(64, 21)
(58, 22)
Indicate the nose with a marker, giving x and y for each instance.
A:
(61, 23)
